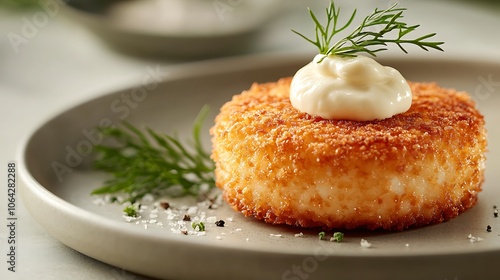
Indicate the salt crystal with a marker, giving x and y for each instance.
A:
(300, 234)
(99, 201)
(365, 244)
(148, 198)
(192, 210)
(275, 235)
(218, 237)
(211, 219)
(171, 217)
(473, 239)
(129, 219)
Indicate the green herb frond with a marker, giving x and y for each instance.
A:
(131, 211)
(148, 162)
(363, 39)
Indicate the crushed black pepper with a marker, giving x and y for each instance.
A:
(220, 223)
(488, 228)
(495, 213)
(186, 218)
(165, 205)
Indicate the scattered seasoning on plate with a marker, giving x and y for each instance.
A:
(300, 234)
(198, 226)
(488, 228)
(337, 237)
(211, 219)
(186, 218)
(236, 230)
(131, 211)
(365, 244)
(165, 205)
(473, 239)
(276, 235)
(495, 213)
(220, 223)
(407, 245)
(321, 235)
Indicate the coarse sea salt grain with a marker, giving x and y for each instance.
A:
(148, 198)
(235, 230)
(473, 239)
(365, 244)
(300, 234)
(192, 210)
(129, 219)
(211, 219)
(276, 235)
(99, 201)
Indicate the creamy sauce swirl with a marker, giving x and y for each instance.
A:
(352, 88)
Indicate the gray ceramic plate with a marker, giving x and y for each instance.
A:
(246, 248)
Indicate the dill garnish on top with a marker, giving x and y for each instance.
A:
(363, 39)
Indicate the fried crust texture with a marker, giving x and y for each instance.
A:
(283, 166)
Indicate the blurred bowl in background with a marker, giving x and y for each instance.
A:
(175, 28)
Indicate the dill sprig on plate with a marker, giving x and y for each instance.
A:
(148, 162)
(364, 39)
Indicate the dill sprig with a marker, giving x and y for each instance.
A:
(364, 39)
(149, 163)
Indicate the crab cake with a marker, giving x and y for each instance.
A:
(283, 166)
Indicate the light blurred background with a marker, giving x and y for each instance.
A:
(54, 54)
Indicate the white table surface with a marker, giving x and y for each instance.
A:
(64, 63)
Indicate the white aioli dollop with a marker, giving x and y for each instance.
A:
(353, 88)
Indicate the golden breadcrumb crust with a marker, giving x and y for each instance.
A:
(283, 166)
